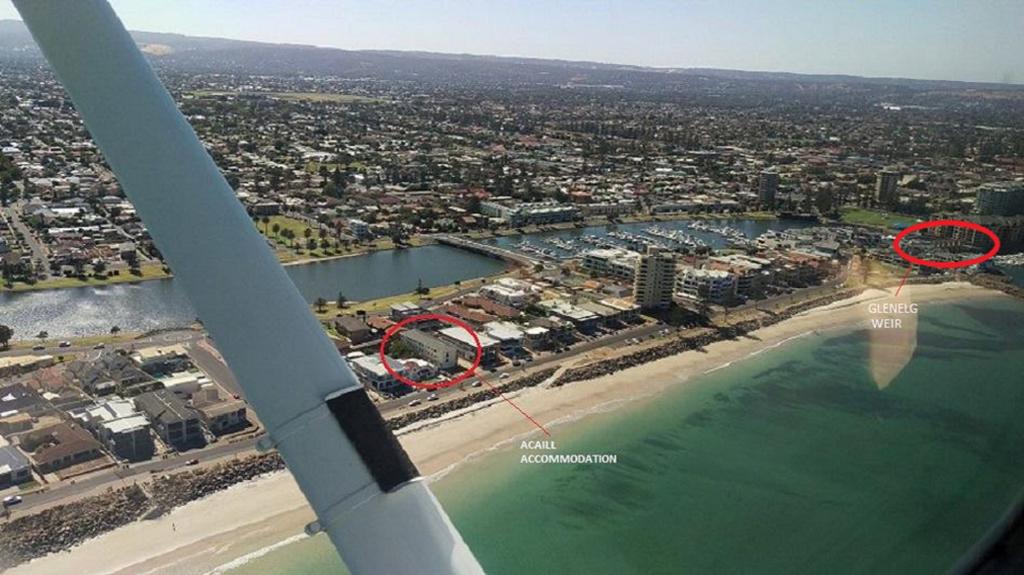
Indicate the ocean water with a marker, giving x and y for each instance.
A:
(792, 461)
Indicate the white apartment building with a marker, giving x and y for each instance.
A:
(611, 262)
(655, 279)
(432, 348)
(706, 285)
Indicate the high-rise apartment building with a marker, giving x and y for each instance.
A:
(767, 188)
(655, 279)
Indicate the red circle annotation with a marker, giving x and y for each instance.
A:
(391, 331)
(946, 265)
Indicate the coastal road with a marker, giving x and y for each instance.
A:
(67, 491)
(209, 361)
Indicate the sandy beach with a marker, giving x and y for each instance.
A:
(246, 519)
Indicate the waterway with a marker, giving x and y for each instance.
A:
(147, 305)
(789, 462)
(750, 228)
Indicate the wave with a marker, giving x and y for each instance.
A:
(249, 557)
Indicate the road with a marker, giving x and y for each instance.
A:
(208, 360)
(40, 254)
(66, 491)
(184, 336)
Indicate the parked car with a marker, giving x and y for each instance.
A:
(414, 403)
(192, 462)
(432, 397)
(12, 500)
(477, 384)
(65, 344)
(505, 376)
(99, 345)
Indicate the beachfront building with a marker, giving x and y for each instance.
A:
(706, 285)
(60, 446)
(177, 424)
(221, 415)
(508, 335)
(611, 262)
(371, 372)
(462, 341)
(536, 338)
(582, 319)
(15, 468)
(655, 279)
(752, 274)
(440, 352)
(122, 429)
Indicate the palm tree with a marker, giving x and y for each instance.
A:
(342, 300)
(321, 304)
(276, 228)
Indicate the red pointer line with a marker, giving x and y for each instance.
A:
(517, 408)
(907, 275)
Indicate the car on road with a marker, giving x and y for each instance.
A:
(505, 376)
(432, 397)
(414, 403)
(100, 345)
(477, 384)
(64, 344)
(192, 462)
(12, 500)
(38, 347)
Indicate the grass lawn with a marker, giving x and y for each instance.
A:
(146, 272)
(285, 252)
(382, 304)
(875, 218)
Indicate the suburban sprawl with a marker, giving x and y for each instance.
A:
(636, 214)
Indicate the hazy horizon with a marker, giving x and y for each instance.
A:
(913, 39)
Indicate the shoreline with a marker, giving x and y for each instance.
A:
(420, 241)
(256, 514)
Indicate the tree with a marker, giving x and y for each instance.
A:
(115, 330)
(6, 333)
(276, 228)
(420, 288)
(342, 300)
(266, 222)
(321, 304)
(42, 335)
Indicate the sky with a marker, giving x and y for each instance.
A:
(977, 40)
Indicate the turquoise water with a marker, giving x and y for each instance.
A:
(792, 461)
